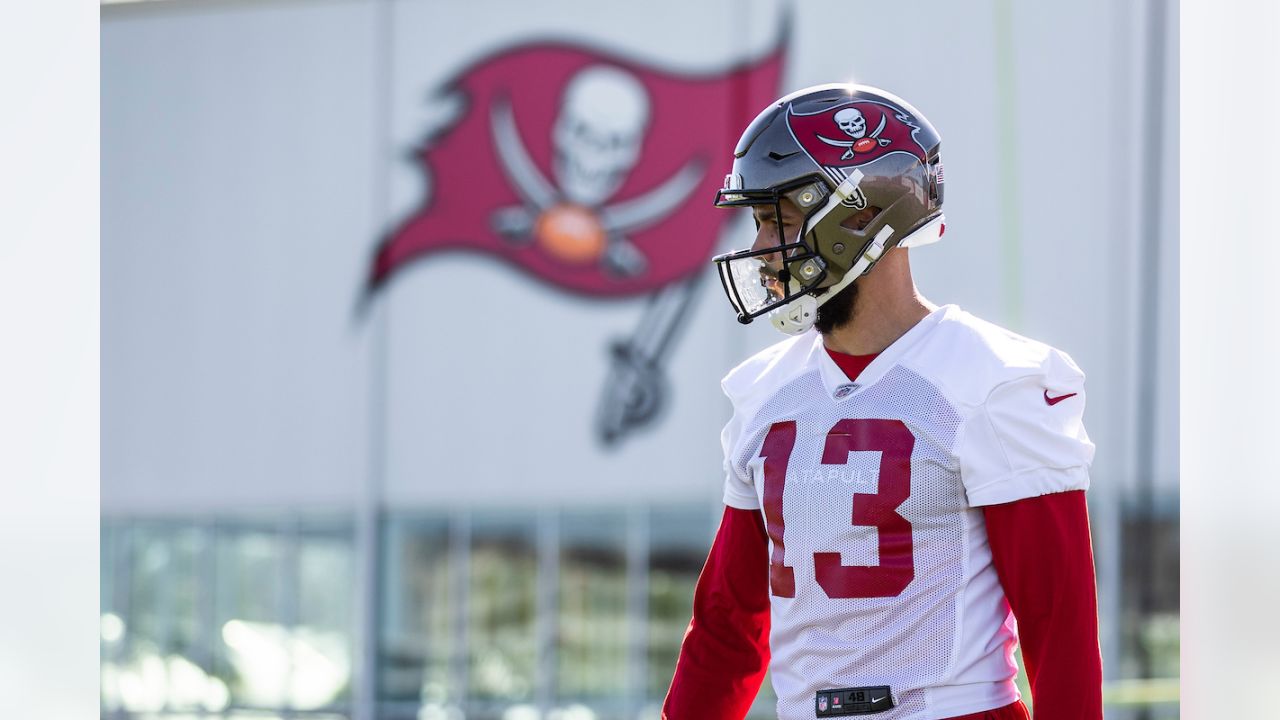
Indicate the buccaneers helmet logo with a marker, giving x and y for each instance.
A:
(855, 133)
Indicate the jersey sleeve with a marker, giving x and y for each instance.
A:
(747, 386)
(1028, 438)
(739, 491)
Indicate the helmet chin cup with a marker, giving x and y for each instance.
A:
(797, 316)
(928, 234)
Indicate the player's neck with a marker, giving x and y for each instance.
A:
(887, 306)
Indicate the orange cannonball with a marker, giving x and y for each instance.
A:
(570, 233)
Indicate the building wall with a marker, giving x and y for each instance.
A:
(257, 152)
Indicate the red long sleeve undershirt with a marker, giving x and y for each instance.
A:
(725, 652)
(1042, 554)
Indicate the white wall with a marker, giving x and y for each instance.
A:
(238, 164)
(253, 153)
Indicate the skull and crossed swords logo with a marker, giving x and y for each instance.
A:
(596, 140)
(854, 124)
(597, 137)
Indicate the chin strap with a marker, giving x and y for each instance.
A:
(797, 316)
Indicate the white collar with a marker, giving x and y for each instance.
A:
(838, 385)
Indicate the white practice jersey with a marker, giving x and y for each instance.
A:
(880, 571)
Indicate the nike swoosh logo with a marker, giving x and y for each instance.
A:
(873, 702)
(1055, 401)
(782, 156)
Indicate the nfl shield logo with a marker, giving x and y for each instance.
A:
(822, 703)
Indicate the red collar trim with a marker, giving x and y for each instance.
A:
(852, 365)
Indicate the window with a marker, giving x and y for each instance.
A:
(592, 627)
(250, 650)
(417, 635)
(498, 614)
(679, 539)
(578, 611)
(501, 606)
(213, 617)
(323, 630)
(153, 643)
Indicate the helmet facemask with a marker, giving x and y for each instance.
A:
(761, 280)
(824, 258)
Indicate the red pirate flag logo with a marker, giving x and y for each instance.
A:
(855, 133)
(594, 174)
(585, 170)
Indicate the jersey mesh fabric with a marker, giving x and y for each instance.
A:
(908, 641)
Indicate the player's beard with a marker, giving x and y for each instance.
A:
(838, 311)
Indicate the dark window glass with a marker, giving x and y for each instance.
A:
(679, 539)
(418, 628)
(323, 646)
(592, 626)
(501, 607)
(251, 650)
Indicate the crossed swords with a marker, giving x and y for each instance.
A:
(539, 194)
(848, 144)
(636, 388)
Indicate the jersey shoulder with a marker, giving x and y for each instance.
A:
(968, 357)
(758, 377)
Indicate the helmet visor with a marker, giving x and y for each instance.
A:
(757, 281)
(756, 285)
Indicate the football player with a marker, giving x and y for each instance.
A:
(902, 480)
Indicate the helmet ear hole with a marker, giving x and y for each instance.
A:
(862, 218)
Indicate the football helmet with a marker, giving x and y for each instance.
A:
(863, 168)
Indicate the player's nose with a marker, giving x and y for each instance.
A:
(766, 237)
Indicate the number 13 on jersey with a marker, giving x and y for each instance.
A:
(878, 510)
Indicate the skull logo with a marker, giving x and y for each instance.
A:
(597, 135)
(852, 122)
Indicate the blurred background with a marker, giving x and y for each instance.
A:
(411, 348)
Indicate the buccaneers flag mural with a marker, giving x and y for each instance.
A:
(594, 174)
(588, 171)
